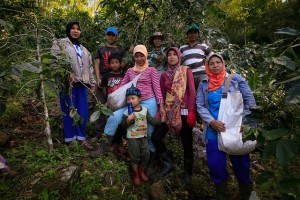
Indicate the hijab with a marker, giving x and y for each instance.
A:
(215, 80)
(68, 30)
(171, 69)
(140, 49)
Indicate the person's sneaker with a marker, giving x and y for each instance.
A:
(86, 145)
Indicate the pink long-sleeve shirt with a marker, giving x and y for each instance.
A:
(190, 92)
(148, 83)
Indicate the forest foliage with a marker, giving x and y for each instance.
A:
(259, 40)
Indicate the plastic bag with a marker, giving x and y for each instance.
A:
(117, 99)
(231, 113)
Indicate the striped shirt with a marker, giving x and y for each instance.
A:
(148, 83)
(194, 56)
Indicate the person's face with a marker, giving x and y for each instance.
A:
(135, 100)
(172, 58)
(140, 59)
(111, 38)
(215, 65)
(193, 35)
(75, 32)
(115, 65)
(157, 42)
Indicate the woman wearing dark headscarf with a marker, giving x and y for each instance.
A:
(177, 87)
(208, 105)
(81, 77)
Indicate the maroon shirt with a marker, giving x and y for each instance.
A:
(190, 92)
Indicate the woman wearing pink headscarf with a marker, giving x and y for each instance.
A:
(178, 90)
(148, 84)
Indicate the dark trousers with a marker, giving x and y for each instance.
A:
(186, 136)
(101, 121)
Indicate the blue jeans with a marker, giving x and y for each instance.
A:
(113, 121)
(79, 100)
(216, 160)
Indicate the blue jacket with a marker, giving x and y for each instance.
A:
(237, 83)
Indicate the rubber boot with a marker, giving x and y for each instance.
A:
(168, 164)
(245, 190)
(188, 170)
(103, 147)
(136, 178)
(221, 190)
(142, 174)
(150, 167)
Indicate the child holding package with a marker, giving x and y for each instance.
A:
(111, 82)
(136, 125)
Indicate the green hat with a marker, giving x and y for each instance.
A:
(193, 27)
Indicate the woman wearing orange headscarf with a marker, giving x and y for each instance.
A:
(208, 103)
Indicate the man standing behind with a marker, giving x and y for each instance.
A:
(102, 67)
(194, 54)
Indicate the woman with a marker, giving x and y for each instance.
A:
(81, 77)
(177, 85)
(148, 84)
(208, 104)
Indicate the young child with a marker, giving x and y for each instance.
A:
(111, 82)
(136, 125)
(101, 68)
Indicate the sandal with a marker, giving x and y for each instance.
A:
(86, 145)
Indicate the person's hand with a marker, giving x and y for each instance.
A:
(191, 118)
(162, 109)
(93, 88)
(130, 118)
(218, 125)
(71, 79)
(99, 83)
(159, 57)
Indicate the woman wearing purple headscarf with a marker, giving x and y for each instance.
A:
(178, 90)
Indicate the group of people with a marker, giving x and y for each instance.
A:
(174, 86)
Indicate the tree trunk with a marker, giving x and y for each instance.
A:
(39, 58)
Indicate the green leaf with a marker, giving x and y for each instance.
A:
(293, 94)
(2, 107)
(95, 116)
(287, 31)
(6, 25)
(285, 152)
(106, 111)
(275, 134)
(270, 150)
(285, 61)
(30, 67)
(265, 177)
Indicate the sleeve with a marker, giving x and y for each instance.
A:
(104, 81)
(153, 120)
(191, 91)
(126, 78)
(156, 86)
(55, 49)
(162, 86)
(247, 94)
(201, 108)
(124, 124)
(98, 53)
(92, 77)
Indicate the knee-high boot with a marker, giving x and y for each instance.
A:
(150, 167)
(168, 164)
(221, 190)
(245, 190)
(103, 146)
